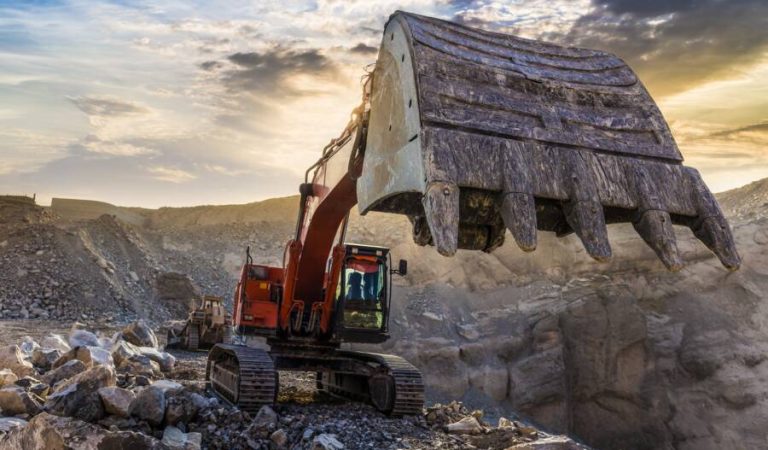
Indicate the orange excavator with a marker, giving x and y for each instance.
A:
(470, 134)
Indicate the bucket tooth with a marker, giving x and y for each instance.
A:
(655, 227)
(711, 227)
(441, 207)
(716, 235)
(587, 220)
(519, 213)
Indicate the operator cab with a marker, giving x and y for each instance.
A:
(363, 294)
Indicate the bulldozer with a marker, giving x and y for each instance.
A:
(470, 134)
(209, 324)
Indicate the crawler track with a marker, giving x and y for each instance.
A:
(242, 376)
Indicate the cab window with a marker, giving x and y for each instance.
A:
(363, 292)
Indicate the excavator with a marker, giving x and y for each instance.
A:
(470, 134)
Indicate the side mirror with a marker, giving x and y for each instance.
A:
(402, 268)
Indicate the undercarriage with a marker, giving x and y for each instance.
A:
(247, 377)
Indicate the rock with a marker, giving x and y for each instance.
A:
(64, 372)
(264, 423)
(505, 423)
(279, 438)
(326, 442)
(467, 425)
(166, 361)
(7, 424)
(83, 338)
(549, 443)
(79, 397)
(7, 377)
(81, 353)
(138, 333)
(11, 357)
(33, 385)
(175, 439)
(116, 400)
(167, 385)
(181, 406)
(123, 350)
(56, 342)
(45, 357)
(150, 405)
(49, 432)
(15, 400)
(139, 365)
(28, 345)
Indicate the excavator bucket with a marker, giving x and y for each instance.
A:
(473, 132)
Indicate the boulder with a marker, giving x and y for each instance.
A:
(45, 357)
(7, 377)
(175, 439)
(15, 400)
(181, 406)
(8, 424)
(150, 405)
(81, 353)
(78, 397)
(64, 372)
(50, 432)
(117, 400)
(33, 385)
(139, 365)
(467, 425)
(326, 442)
(11, 357)
(166, 361)
(123, 350)
(140, 334)
(56, 342)
(264, 424)
(83, 338)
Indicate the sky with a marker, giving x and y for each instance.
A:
(185, 103)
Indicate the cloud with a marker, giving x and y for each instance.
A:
(271, 71)
(363, 49)
(755, 130)
(676, 45)
(94, 144)
(104, 106)
(170, 174)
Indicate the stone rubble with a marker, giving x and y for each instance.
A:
(84, 399)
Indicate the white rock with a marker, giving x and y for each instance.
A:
(28, 345)
(175, 439)
(467, 425)
(55, 341)
(83, 338)
(326, 442)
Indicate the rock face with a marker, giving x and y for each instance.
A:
(150, 405)
(50, 432)
(79, 396)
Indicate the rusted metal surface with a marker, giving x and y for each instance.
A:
(471, 129)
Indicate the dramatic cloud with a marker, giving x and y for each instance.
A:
(272, 70)
(676, 45)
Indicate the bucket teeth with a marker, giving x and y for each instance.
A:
(587, 220)
(519, 213)
(441, 207)
(711, 228)
(655, 227)
(716, 235)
